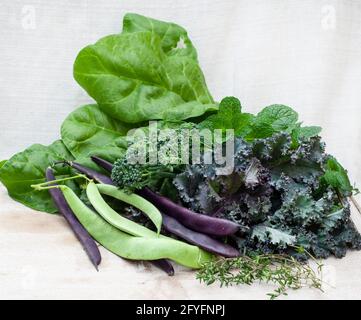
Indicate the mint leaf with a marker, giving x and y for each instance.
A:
(336, 176)
(299, 133)
(260, 130)
(280, 117)
(272, 119)
(229, 116)
(308, 132)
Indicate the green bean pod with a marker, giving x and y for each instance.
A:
(136, 201)
(113, 217)
(130, 247)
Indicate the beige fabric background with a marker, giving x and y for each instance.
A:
(306, 54)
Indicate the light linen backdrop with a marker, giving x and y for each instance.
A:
(305, 54)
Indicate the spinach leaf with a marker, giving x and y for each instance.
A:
(27, 168)
(2, 163)
(133, 79)
(174, 38)
(88, 129)
(110, 152)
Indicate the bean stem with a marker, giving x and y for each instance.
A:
(40, 186)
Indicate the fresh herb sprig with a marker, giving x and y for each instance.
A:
(284, 271)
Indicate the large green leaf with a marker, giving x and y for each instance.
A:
(133, 79)
(27, 168)
(88, 130)
(174, 38)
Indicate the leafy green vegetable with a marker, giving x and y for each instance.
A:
(275, 236)
(174, 38)
(229, 116)
(273, 193)
(273, 119)
(27, 168)
(336, 176)
(280, 117)
(306, 132)
(2, 163)
(110, 152)
(88, 128)
(136, 76)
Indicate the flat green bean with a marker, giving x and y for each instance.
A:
(131, 247)
(136, 201)
(113, 217)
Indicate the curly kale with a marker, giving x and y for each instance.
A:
(286, 195)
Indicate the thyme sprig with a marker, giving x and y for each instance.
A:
(281, 270)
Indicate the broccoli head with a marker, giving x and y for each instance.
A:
(131, 177)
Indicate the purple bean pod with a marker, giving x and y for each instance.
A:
(195, 221)
(162, 264)
(80, 232)
(199, 239)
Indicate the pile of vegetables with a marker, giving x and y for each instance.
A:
(284, 202)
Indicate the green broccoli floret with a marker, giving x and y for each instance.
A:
(131, 177)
